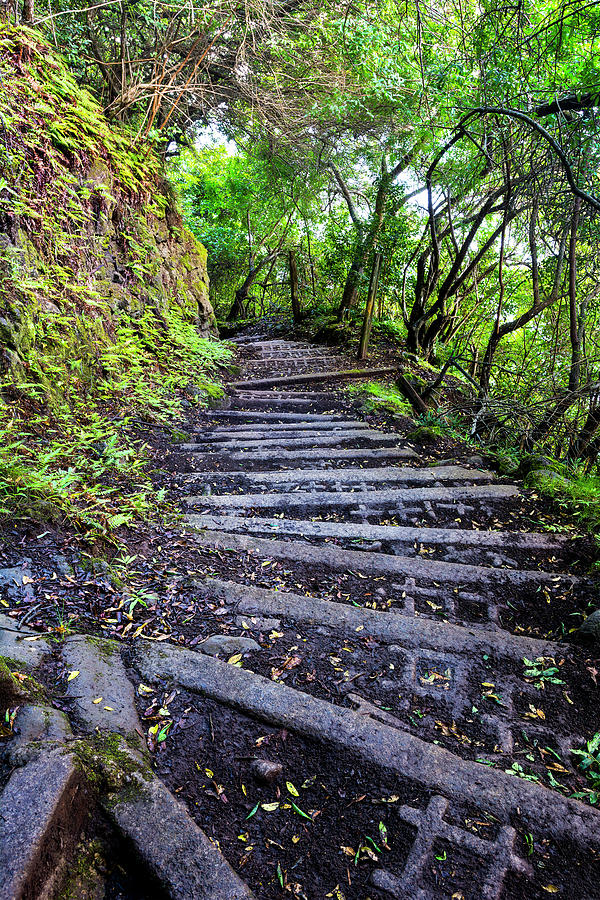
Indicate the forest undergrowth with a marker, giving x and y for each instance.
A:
(70, 454)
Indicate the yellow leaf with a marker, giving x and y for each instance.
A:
(295, 838)
(73, 675)
(210, 773)
(144, 690)
(109, 708)
(292, 789)
(269, 807)
(97, 701)
(235, 659)
(550, 888)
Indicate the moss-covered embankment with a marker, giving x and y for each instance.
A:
(104, 309)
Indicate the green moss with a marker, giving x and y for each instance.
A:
(375, 395)
(84, 876)
(90, 344)
(425, 434)
(108, 765)
(106, 648)
(12, 688)
(9, 686)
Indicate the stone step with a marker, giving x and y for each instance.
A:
(394, 534)
(239, 416)
(334, 558)
(332, 377)
(284, 431)
(292, 361)
(414, 632)
(252, 339)
(400, 474)
(42, 811)
(265, 341)
(305, 425)
(289, 404)
(291, 353)
(433, 767)
(308, 441)
(298, 458)
(369, 500)
(182, 858)
(287, 395)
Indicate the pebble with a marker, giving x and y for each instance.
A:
(227, 644)
(266, 771)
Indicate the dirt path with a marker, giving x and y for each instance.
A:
(364, 703)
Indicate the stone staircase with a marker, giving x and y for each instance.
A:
(387, 582)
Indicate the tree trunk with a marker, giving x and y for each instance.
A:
(294, 287)
(368, 319)
(354, 278)
(585, 437)
(27, 13)
(575, 325)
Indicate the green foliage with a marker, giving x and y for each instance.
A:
(577, 494)
(589, 763)
(76, 459)
(376, 396)
(541, 671)
(89, 354)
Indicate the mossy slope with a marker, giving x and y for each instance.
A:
(104, 309)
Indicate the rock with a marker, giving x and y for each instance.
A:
(179, 855)
(62, 564)
(589, 630)
(34, 724)
(546, 478)
(425, 434)
(535, 462)
(11, 580)
(266, 771)
(42, 723)
(259, 623)
(477, 461)
(101, 674)
(367, 545)
(14, 643)
(227, 644)
(42, 810)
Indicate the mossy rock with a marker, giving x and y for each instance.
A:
(10, 689)
(425, 434)
(535, 462)
(332, 333)
(506, 466)
(547, 480)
